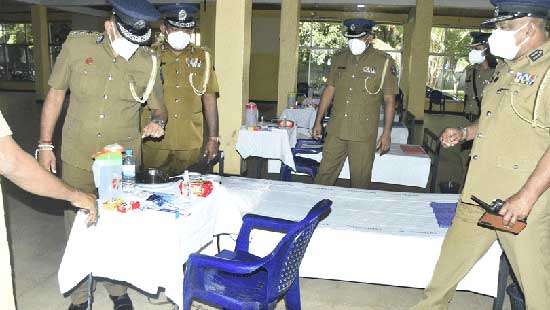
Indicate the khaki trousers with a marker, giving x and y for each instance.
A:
(84, 181)
(466, 242)
(335, 152)
(169, 161)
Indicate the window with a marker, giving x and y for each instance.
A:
(448, 59)
(320, 40)
(16, 58)
(57, 36)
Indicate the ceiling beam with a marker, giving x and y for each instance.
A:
(339, 16)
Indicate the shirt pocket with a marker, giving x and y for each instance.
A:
(372, 83)
(87, 80)
(139, 82)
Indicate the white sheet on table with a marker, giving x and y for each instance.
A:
(146, 249)
(304, 118)
(392, 168)
(370, 236)
(274, 144)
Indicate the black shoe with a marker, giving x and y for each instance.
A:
(122, 302)
(82, 306)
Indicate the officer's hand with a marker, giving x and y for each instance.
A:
(47, 160)
(153, 130)
(86, 202)
(316, 132)
(516, 208)
(384, 143)
(211, 149)
(451, 137)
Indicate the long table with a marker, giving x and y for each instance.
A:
(370, 236)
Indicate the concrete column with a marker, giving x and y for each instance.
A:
(288, 61)
(232, 45)
(208, 25)
(418, 46)
(408, 27)
(41, 49)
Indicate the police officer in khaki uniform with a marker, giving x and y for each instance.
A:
(190, 93)
(510, 160)
(478, 74)
(110, 77)
(360, 80)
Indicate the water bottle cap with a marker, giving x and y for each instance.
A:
(129, 152)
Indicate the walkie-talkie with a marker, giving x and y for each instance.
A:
(493, 220)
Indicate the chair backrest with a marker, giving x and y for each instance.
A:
(437, 97)
(283, 263)
(432, 146)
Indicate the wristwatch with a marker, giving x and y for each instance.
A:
(159, 122)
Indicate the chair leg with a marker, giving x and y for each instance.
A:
(292, 297)
(187, 301)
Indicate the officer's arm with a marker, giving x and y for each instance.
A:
(210, 108)
(325, 102)
(471, 132)
(50, 113)
(389, 112)
(20, 168)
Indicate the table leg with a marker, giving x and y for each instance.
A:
(90, 290)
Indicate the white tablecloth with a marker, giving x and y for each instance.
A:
(395, 167)
(146, 248)
(304, 118)
(274, 144)
(370, 236)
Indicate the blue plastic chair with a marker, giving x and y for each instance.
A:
(303, 165)
(240, 280)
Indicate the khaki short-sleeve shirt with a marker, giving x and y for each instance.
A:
(509, 146)
(481, 77)
(185, 77)
(102, 108)
(361, 83)
(6, 284)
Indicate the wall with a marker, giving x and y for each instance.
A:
(264, 60)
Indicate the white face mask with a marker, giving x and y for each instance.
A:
(123, 47)
(476, 56)
(179, 40)
(503, 43)
(357, 46)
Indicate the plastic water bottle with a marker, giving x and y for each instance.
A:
(251, 115)
(128, 169)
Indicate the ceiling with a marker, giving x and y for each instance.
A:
(464, 8)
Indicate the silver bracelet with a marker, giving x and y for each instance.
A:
(464, 134)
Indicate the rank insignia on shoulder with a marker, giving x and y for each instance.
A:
(536, 55)
(100, 38)
(525, 78)
(369, 70)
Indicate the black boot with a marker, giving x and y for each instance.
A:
(122, 302)
(82, 306)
